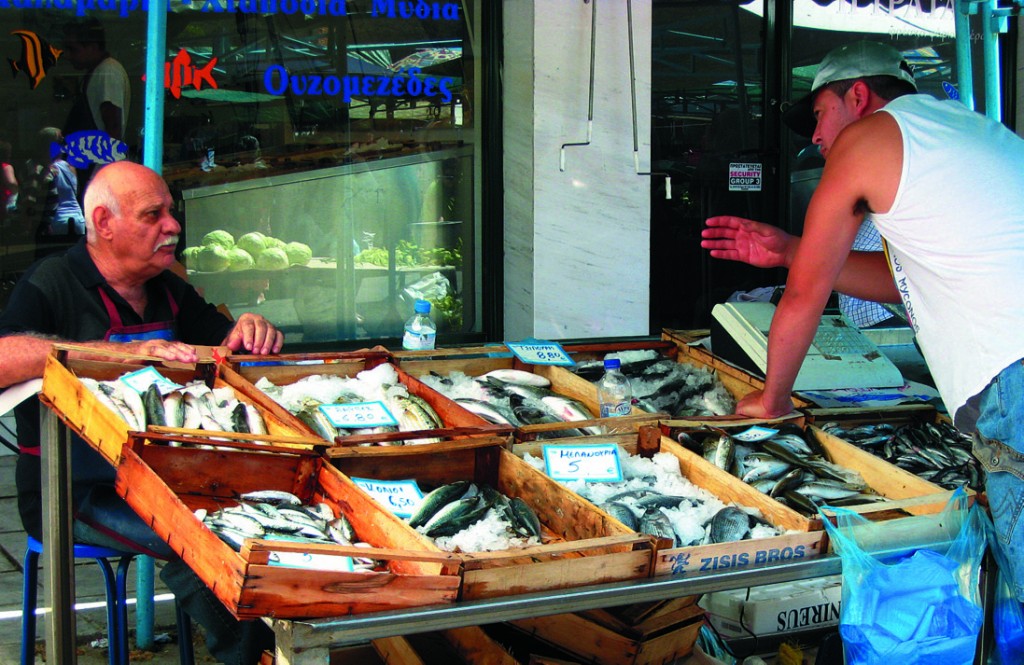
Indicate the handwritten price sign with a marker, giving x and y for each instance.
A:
(540, 353)
(596, 462)
(359, 414)
(401, 497)
(143, 378)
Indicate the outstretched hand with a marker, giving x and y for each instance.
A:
(254, 334)
(739, 239)
(754, 405)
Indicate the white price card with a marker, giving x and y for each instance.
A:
(142, 379)
(359, 414)
(755, 433)
(339, 564)
(540, 352)
(401, 497)
(596, 462)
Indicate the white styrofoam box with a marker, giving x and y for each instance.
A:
(775, 608)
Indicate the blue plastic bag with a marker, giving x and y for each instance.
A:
(922, 609)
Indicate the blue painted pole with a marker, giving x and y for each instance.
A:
(156, 53)
(990, 46)
(964, 64)
(153, 157)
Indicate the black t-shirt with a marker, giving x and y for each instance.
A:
(59, 295)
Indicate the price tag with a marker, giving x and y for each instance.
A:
(755, 433)
(539, 352)
(359, 414)
(596, 462)
(141, 379)
(341, 564)
(401, 497)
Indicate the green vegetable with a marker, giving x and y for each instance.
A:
(253, 242)
(219, 237)
(273, 242)
(298, 253)
(240, 260)
(213, 258)
(189, 257)
(272, 258)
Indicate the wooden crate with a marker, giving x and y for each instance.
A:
(106, 431)
(905, 492)
(580, 545)
(562, 381)
(165, 485)
(613, 638)
(738, 381)
(804, 538)
(458, 422)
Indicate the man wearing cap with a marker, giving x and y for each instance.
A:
(945, 188)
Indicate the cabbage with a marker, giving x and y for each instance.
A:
(254, 242)
(213, 258)
(189, 256)
(272, 258)
(219, 237)
(273, 242)
(240, 260)
(298, 253)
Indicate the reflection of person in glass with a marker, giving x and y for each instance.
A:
(63, 216)
(103, 101)
(114, 293)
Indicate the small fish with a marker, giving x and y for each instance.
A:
(456, 516)
(36, 57)
(728, 525)
(720, 451)
(93, 146)
(487, 411)
(526, 521)
(153, 404)
(180, 72)
(273, 497)
(174, 409)
(437, 499)
(569, 409)
(517, 376)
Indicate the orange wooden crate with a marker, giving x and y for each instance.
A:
(165, 485)
(804, 538)
(580, 546)
(105, 430)
(458, 422)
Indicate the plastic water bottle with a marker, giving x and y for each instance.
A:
(613, 391)
(420, 331)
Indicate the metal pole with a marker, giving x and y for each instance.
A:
(990, 45)
(964, 65)
(58, 549)
(153, 157)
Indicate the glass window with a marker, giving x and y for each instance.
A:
(333, 144)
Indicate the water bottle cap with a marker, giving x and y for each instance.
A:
(612, 363)
(422, 307)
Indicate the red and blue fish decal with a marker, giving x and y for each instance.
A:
(94, 146)
(36, 57)
(180, 72)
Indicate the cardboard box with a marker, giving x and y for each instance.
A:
(775, 608)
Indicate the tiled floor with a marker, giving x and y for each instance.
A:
(91, 617)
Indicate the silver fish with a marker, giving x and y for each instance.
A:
(517, 376)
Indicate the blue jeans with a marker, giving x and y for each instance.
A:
(1000, 449)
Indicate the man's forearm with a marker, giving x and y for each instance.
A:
(23, 357)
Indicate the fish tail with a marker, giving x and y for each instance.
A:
(205, 74)
(14, 68)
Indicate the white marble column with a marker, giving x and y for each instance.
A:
(577, 251)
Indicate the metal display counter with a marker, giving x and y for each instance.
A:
(310, 642)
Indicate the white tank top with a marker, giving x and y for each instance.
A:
(955, 240)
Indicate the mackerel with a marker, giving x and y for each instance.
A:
(174, 409)
(437, 499)
(526, 520)
(153, 405)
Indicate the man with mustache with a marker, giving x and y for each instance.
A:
(114, 292)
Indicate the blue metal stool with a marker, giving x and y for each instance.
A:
(117, 603)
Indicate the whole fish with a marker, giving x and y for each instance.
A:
(720, 451)
(517, 376)
(569, 409)
(37, 56)
(174, 409)
(437, 499)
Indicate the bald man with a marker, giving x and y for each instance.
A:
(114, 292)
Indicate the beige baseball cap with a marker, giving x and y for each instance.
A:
(852, 61)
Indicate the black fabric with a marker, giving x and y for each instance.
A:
(59, 295)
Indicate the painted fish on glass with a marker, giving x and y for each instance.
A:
(37, 56)
(88, 147)
(180, 73)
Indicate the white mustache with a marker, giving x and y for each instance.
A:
(172, 241)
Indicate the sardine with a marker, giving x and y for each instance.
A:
(517, 376)
(273, 497)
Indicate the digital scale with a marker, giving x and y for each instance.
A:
(840, 356)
